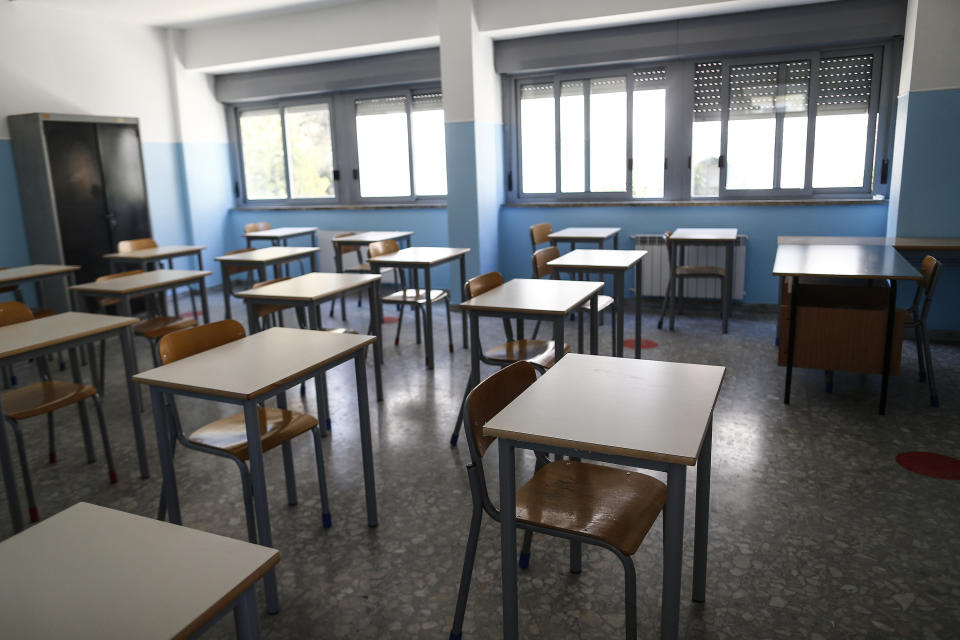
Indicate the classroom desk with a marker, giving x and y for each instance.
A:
(146, 258)
(426, 258)
(656, 415)
(362, 239)
(281, 235)
(864, 262)
(310, 291)
(249, 371)
(899, 243)
(93, 572)
(142, 284)
(37, 338)
(15, 276)
(725, 237)
(260, 259)
(573, 235)
(604, 262)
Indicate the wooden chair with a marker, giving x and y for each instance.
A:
(417, 298)
(680, 272)
(227, 437)
(585, 503)
(539, 234)
(542, 269)
(360, 267)
(916, 319)
(271, 315)
(9, 377)
(539, 353)
(250, 227)
(136, 244)
(43, 398)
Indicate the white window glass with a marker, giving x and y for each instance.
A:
(310, 151)
(705, 145)
(382, 147)
(649, 134)
(794, 104)
(572, 142)
(537, 139)
(843, 121)
(261, 139)
(429, 145)
(752, 126)
(608, 134)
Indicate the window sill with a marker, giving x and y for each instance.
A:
(341, 207)
(696, 203)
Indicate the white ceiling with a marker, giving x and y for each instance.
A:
(180, 13)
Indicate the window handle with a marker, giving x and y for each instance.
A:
(336, 174)
(509, 180)
(665, 164)
(356, 174)
(884, 170)
(721, 162)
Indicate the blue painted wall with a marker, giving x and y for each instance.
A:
(169, 215)
(208, 176)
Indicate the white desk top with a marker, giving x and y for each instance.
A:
(584, 233)
(366, 237)
(704, 235)
(156, 253)
(637, 408)
(524, 295)
(420, 256)
(93, 572)
(842, 261)
(310, 286)
(140, 282)
(32, 271)
(252, 366)
(268, 255)
(612, 259)
(280, 232)
(901, 243)
(56, 329)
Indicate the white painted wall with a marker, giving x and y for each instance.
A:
(931, 46)
(63, 62)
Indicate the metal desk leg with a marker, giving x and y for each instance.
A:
(672, 551)
(594, 328)
(508, 538)
(463, 314)
(374, 297)
(888, 346)
(130, 370)
(415, 272)
(428, 319)
(166, 456)
(245, 617)
(252, 324)
(474, 351)
(9, 484)
(791, 335)
(225, 286)
(557, 339)
(702, 522)
(727, 285)
(619, 300)
(203, 302)
(616, 241)
(638, 274)
(366, 445)
(264, 536)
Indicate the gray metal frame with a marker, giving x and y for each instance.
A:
(261, 269)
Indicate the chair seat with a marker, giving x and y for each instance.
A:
(688, 271)
(602, 303)
(536, 351)
(608, 504)
(414, 296)
(230, 434)
(156, 328)
(42, 313)
(43, 397)
(364, 267)
(267, 309)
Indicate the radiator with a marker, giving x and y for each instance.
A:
(656, 267)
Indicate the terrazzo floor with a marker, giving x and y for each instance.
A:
(815, 531)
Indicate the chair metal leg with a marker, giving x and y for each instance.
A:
(105, 439)
(666, 301)
(85, 429)
(247, 487)
(934, 399)
(536, 329)
(918, 338)
(524, 561)
(456, 427)
(579, 330)
(288, 473)
(396, 340)
(629, 595)
(25, 468)
(468, 559)
(103, 368)
(322, 479)
(449, 326)
(51, 442)
(576, 556)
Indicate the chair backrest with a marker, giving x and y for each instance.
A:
(346, 248)
(126, 246)
(256, 226)
(539, 234)
(930, 269)
(13, 312)
(540, 259)
(481, 284)
(488, 399)
(118, 274)
(236, 268)
(187, 342)
(382, 248)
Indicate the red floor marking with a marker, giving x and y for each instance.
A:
(390, 319)
(932, 465)
(644, 344)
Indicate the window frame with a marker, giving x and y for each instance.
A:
(343, 138)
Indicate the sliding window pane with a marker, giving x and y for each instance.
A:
(649, 132)
(795, 104)
(261, 139)
(752, 126)
(608, 134)
(310, 151)
(705, 147)
(573, 173)
(538, 149)
(843, 121)
(382, 147)
(429, 145)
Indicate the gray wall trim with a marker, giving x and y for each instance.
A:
(843, 23)
(408, 67)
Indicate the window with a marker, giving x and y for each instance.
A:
(795, 125)
(393, 145)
